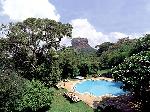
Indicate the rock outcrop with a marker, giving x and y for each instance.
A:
(80, 43)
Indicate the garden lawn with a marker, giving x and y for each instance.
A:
(61, 104)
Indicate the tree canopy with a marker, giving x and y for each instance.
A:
(32, 46)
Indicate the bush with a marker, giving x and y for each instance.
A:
(19, 94)
(134, 72)
(35, 96)
(11, 87)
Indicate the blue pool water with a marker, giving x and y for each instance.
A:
(100, 87)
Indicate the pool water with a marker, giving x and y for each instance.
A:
(100, 87)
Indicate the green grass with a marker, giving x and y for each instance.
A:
(61, 104)
(103, 71)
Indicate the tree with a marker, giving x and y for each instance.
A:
(116, 52)
(142, 44)
(68, 63)
(74, 63)
(84, 69)
(134, 72)
(103, 47)
(4, 57)
(93, 68)
(32, 45)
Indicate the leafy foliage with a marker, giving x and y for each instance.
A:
(134, 72)
(32, 45)
(11, 87)
(141, 44)
(35, 96)
(74, 63)
(18, 94)
(103, 47)
(116, 52)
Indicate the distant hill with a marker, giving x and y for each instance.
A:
(81, 44)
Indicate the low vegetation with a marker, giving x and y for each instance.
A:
(61, 104)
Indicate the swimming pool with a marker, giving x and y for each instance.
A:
(99, 87)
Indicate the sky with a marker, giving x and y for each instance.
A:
(98, 20)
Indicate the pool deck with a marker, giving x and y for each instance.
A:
(89, 99)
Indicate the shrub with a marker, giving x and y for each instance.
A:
(34, 97)
(19, 94)
(11, 87)
(134, 72)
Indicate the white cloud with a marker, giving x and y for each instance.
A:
(19, 10)
(116, 35)
(65, 41)
(82, 28)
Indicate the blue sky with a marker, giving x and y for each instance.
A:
(129, 16)
(97, 20)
